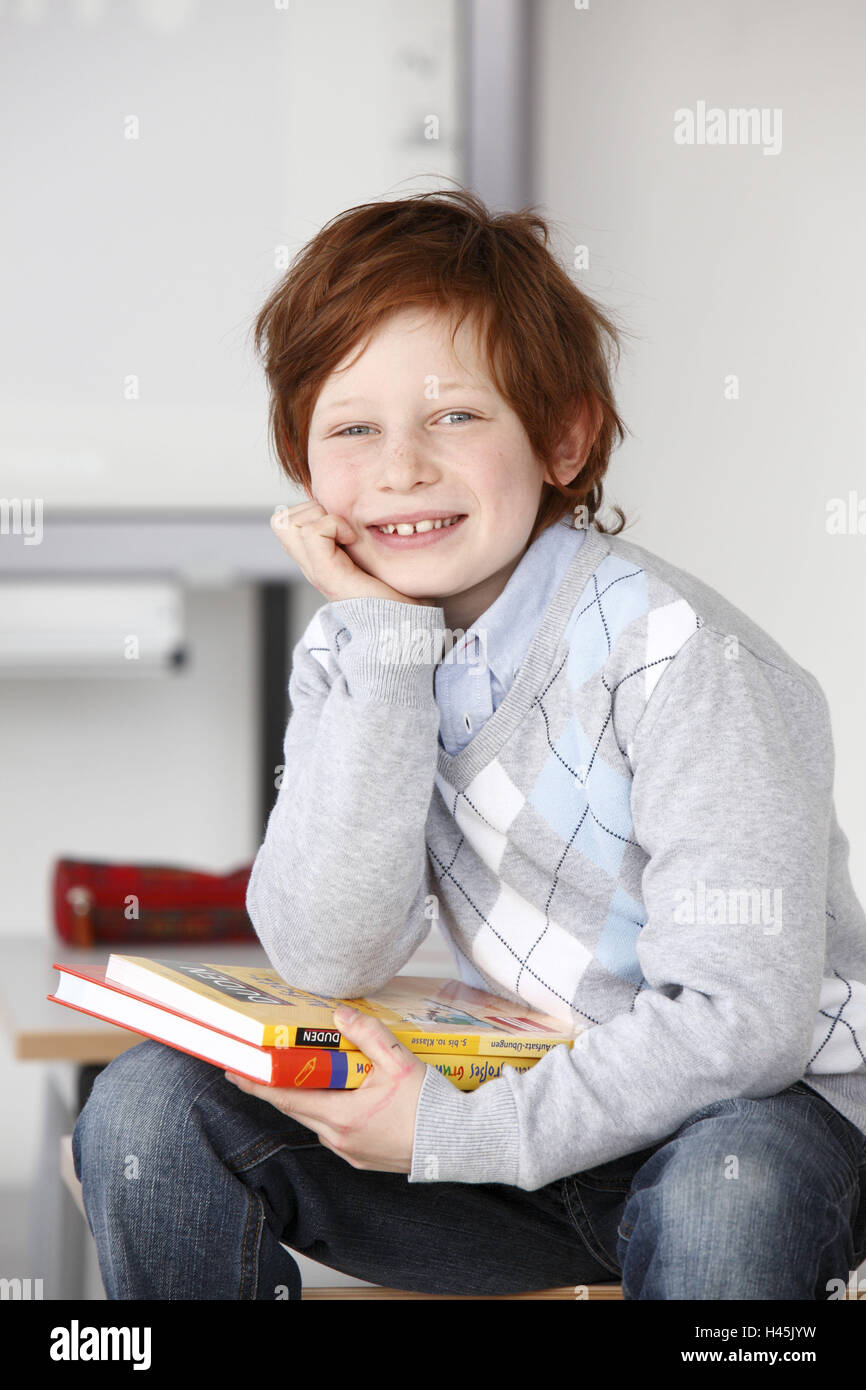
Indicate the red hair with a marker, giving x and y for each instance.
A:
(546, 343)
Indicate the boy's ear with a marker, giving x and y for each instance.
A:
(570, 454)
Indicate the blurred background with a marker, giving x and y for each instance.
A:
(161, 161)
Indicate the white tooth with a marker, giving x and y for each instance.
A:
(405, 528)
(436, 525)
(424, 525)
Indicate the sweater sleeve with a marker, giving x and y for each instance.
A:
(336, 892)
(731, 800)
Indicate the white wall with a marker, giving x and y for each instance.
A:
(164, 155)
(723, 260)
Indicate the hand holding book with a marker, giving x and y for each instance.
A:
(372, 1126)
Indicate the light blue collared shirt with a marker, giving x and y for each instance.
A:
(472, 681)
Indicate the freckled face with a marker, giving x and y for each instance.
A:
(384, 446)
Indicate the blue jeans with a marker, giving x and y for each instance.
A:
(192, 1188)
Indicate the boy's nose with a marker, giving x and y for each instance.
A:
(404, 461)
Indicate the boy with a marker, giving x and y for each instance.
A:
(614, 794)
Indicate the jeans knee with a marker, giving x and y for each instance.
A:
(131, 1103)
(690, 1192)
(747, 1202)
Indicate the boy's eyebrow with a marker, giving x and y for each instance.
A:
(462, 386)
(443, 386)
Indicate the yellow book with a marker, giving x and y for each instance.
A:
(430, 1016)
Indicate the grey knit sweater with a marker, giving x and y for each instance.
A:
(642, 838)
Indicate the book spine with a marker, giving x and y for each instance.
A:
(312, 1068)
(422, 1044)
(476, 1045)
(324, 1069)
(468, 1073)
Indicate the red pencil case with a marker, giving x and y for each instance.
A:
(137, 903)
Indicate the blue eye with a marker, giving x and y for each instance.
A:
(348, 430)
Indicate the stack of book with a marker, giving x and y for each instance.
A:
(247, 1019)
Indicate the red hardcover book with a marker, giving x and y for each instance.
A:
(85, 988)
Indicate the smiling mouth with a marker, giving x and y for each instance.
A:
(416, 528)
(417, 535)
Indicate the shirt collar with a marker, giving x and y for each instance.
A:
(514, 617)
